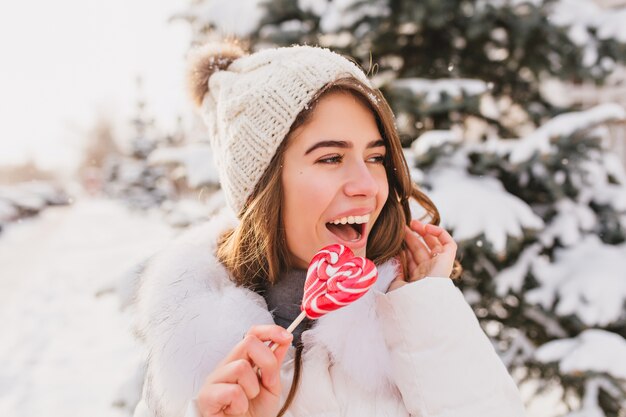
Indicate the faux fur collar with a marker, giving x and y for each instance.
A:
(190, 315)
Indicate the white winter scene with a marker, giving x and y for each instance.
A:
(512, 118)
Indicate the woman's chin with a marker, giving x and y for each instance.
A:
(359, 252)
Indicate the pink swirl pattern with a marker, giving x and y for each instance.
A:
(336, 278)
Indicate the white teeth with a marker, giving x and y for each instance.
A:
(352, 220)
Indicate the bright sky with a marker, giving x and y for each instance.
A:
(65, 62)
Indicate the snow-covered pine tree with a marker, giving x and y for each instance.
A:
(129, 176)
(541, 223)
(540, 216)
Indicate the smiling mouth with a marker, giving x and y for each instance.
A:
(349, 229)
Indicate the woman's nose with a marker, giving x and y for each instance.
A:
(360, 180)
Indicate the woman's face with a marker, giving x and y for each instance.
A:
(334, 181)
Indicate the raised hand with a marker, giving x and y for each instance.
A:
(433, 256)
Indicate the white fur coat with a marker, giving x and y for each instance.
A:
(190, 315)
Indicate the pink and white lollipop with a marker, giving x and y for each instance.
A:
(335, 278)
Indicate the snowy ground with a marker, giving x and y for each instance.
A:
(66, 347)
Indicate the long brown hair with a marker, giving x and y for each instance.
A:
(256, 252)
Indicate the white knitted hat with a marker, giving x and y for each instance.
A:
(251, 104)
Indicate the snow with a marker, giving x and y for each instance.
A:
(188, 211)
(472, 206)
(563, 125)
(433, 89)
(342, 14)
(593, 350)
(317, 7)
(67, 349)
(569, 225)
(513, 277)
(196, 160)
(481, 4)
(582, 15)
(597, 186)
(28, 198)
(238, 18)
(585, 279)
(434, 139)
(8, 211)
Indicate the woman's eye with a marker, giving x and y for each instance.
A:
(377, 159)
(332, 159)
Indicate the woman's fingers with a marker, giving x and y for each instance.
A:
(433, 243)
(257, 353)
(234, 386)
(279, 336)
(416, 247)
(238, 372)
(222, 400)
(280, 352)
(260, 355)
(271, 333)
(434, 255)
(437, 238)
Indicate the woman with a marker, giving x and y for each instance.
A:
(308, 156)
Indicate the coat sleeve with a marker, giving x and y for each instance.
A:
(442, 362)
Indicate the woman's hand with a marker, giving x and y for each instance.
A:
(234, 388)
(434, 256)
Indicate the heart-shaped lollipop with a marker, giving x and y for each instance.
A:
(336, 278)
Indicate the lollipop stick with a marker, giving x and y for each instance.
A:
(295, 323)
(291, 328)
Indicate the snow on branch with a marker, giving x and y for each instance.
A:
(586, 280)
(582, 15)
(593, 350)
(563, 125)
(432, 90)
(472, 206)
(28, 198)
(434, 139)
(569, 224)
(342, 14)
(239, 18)
(512, 278)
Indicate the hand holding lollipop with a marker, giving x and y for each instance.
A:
(249, 378)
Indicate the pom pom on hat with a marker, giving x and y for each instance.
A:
(204, 61)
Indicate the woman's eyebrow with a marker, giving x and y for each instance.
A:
(376, 143)
(342, 144)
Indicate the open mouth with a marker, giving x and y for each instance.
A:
(349, 229)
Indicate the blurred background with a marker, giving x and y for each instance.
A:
(513, 118)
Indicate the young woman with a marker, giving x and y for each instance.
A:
(308, 156)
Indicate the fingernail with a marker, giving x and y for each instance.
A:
(286, 334)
